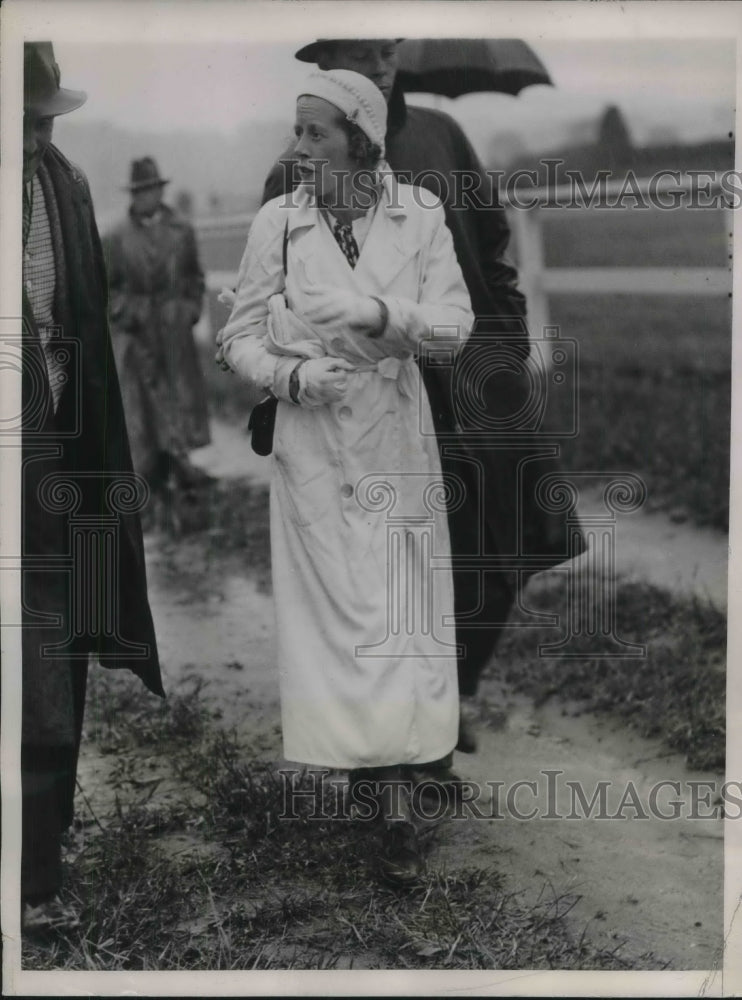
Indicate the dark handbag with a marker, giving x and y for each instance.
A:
(262, 420)
(262, 423)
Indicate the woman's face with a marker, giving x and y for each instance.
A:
(321, 148)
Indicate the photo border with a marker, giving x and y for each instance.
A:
(164, 21)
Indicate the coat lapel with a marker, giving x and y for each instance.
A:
(385, 253)
(82, 304)
(37, 395)
(388, 246)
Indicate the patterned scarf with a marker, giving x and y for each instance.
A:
(346, 241)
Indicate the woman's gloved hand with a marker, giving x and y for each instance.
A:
(323, 306)
(219, 357)
(323, 380)
(228, 297)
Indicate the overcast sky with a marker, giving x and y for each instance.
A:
(218, 85)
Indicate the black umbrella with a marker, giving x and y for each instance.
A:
(456, 66)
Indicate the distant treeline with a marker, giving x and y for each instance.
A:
(644, 161)
(614, 150)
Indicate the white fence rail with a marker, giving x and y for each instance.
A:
(537, 281)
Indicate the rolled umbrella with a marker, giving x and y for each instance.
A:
(456, 66)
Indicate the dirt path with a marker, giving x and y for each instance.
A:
(655, 884)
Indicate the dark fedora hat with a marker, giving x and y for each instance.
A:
(41, 90)
(144, 174)
(310, 53)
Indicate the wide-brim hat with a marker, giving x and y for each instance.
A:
(309, 53)
(144, 174)
(41, 76)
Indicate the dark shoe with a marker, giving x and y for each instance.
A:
(48, 917)
(400, 862)
(467, 738)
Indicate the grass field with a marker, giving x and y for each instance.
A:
(654, 379)
(654, 395)
(635, 238)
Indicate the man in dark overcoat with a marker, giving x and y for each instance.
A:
(84, 588)
(156, 290)
(477, 405)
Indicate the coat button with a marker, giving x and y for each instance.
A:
(345, 413)
(337, 344)
(346, 491)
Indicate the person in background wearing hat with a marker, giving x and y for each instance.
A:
(70, 453)
(156, 290)
(500, 513)
(339, 288)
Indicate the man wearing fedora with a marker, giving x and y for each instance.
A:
(156, 290)
(499, 515)
(77, 484)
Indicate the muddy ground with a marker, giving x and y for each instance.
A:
(651, 885)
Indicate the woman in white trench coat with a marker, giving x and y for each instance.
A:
(342, 283)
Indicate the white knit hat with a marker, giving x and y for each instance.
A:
(360, 99)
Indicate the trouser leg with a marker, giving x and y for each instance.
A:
(482, 597)
(492, 595)
(48, 788)
(46, 775)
